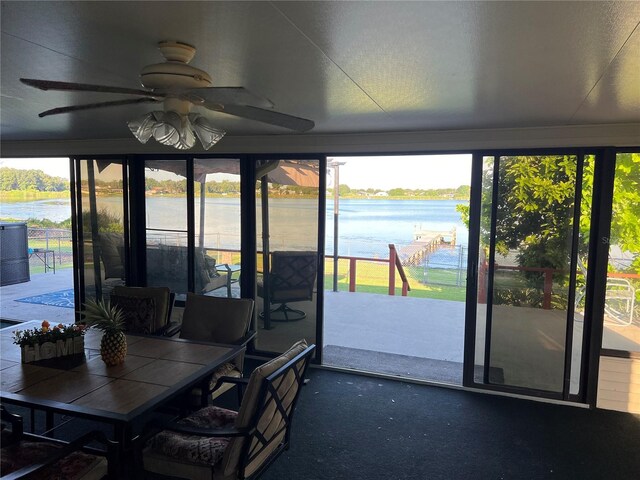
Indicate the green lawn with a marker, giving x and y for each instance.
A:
(373, 277)
(63, 252)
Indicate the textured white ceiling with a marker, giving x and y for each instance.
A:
(352, 67)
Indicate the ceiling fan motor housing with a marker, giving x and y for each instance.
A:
(174, 73)
(168, 75)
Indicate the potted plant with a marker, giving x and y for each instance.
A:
(49, 342)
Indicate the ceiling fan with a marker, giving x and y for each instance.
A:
(180, 87)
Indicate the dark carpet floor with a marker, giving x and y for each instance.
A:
(356, 427)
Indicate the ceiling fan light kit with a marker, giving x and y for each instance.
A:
(175, 130)
(180, 87)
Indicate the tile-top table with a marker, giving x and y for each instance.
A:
(156, 370)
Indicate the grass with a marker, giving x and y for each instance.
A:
(373, 277)
(63, 251)
(19, 195)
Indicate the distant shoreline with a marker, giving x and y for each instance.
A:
(20, 195)
(33, 195)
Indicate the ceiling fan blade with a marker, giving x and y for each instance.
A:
(227, 96)
(265, 116)
(83, 87)
(90, 106)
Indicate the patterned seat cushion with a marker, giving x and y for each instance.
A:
(139, 313)
(225, 370)
(193, 448)
(72, 467)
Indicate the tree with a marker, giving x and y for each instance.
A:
(16, 179)
(397, 192)
(535, 204)
(344, 190)
(625, 224)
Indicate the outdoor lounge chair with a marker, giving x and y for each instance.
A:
(215, 443)
(292, 279)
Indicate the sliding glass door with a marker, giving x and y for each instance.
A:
(192, 217)
(288, 258)
(532, 226)
(100, 227)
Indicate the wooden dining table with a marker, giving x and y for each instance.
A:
(156, 370)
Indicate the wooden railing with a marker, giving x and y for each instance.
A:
(547, 284)
(548, 280)
(394, 262)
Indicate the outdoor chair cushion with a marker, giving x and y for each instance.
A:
(229, 321)
(225, 370)
(192, 448)
(139, 313)
(76, 465)
(161, 296)
(263, 420)
(111, 248)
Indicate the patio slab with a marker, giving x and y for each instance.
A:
(416, 327)
(40, 283)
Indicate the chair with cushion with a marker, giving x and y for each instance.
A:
(25, 455)
(218, 320)
(292, 279)
(147, 310)
(214, 443)
(111, 247)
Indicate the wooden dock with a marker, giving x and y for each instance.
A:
(424, 243)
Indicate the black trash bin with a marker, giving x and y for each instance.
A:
(14, 253)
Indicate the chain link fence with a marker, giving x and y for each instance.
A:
(56, 240)
(446, 266)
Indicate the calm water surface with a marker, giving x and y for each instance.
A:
(366, 227)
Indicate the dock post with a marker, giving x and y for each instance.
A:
(392, 271)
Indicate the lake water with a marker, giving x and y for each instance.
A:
(366, 226)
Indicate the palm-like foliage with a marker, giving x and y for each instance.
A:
(103, 316)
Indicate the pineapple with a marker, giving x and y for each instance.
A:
(109, 320)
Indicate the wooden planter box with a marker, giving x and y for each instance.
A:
(52, 350)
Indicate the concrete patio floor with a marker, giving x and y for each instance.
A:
(40, 283)
(404, 336)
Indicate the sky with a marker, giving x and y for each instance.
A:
(56, 167)
(383, 172)
(405, 171)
